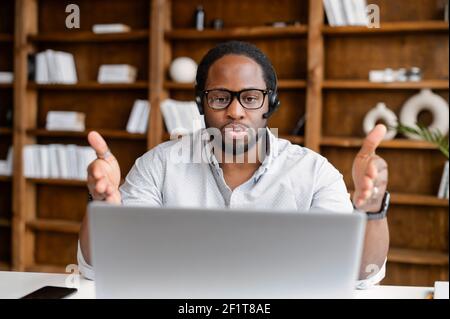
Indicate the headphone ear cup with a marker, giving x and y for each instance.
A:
(198, 100)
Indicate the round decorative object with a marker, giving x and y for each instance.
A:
(183, 70)
(381, 112)
(426, 100)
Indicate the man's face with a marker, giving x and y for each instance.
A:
(235, 73)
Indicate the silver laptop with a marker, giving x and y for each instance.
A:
(143, 252)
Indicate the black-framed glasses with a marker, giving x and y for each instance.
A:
(219, 99)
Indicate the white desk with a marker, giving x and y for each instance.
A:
(17, 284)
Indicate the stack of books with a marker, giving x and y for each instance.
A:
(138, 120)
(6, 166)
(6, 77)
(110, 28)
(117, 73)
(181, 117)
(57, 161)
(443, 187)
(55, 67)
(65, 121)
(346, 12)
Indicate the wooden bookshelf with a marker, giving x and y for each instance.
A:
(363, 84)
(352, 142)
(60, 226)
(419, 257)
(5, 131)
(323, 73)
(87, 36)
(57, 182)
(238, 33)
(389, 27)
(6, 37)
(5, 178)
(7, 91)
(94, 86)
(112, 134)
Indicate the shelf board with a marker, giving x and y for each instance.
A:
(418, 200)
(5, 222)
(60, 226)
(5, 178)
(6, 131)
(389, 27)
(5, 266)
(237, 33)
(6, 85)
(6, 37)
(284, 84)
(113, 134)
(139, 85)
(415, 199)
(364, 84)
(351, 142)
(88, 36)
(46, 268)
(293, 139)
(418, 257)
(58, 182)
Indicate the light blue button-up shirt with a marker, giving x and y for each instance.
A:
(290, 177)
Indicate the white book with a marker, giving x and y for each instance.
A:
(117, 73)
(361, 12)
(110, 28)
(44, 161)
(41, 76)
(52, 66)
(443, 187)
(143, 123)
(35, 161)
(135, 115)
(6, 77)
(72, 161)
(66, 69)
(329, 13)
(26, 156)
(350, 12)
(65, 121)
(179, 116)
(9, 161)
(62, 161)
(338, 12)
(53, 161)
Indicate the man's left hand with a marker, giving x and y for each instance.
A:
(370, 173)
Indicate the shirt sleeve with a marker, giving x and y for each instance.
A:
(330, 192)
(86, 270)
(373, 279)
(143, 184)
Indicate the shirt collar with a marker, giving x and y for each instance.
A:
(265, 165)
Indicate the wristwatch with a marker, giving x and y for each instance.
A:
(384, 208)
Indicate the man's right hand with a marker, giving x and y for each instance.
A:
(104, 172)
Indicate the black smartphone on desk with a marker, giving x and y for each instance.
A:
(50, 292)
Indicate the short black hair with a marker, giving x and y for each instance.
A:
(239, 48)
